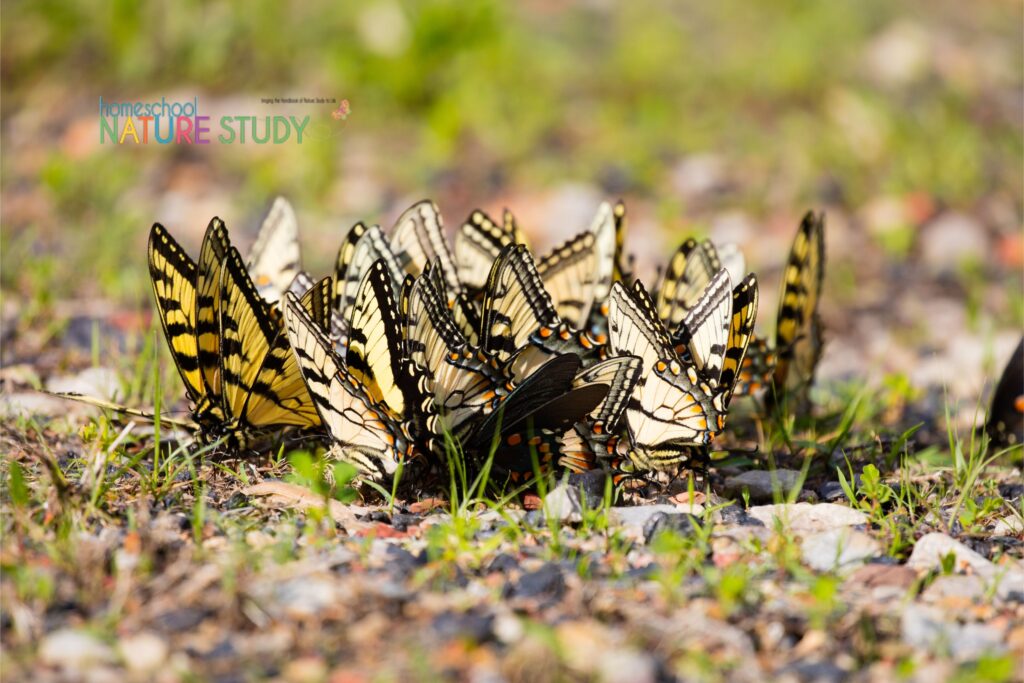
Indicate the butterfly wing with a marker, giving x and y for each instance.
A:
(741, 332)
(173, 275)
(569, 274)
(687, 276)
(261, 382)
(361, 433)
(704, 333)
(478, 243)
(798, 342)
(275, 258)
(418, 239)
(465, 383)
(1005, 424)
(516, 305)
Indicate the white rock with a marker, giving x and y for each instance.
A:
(930, 550)
(842, 548)
(74, 650)
(951, 239)
(96, 382)
(635, 517)
(1008, 526)
(143, 652)
(562, 503)
(763, 484)
(626, 666)
(808, 517)
(928, 628)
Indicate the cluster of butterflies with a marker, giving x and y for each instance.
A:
(415, 351)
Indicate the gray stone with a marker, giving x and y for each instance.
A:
(930, 550)
(840, 549)
(73, 649)
(763, 485)
(96, 382)
(637, 516)
(926, 628)
(951, 239)
(955, 586)
(808, 517)
(626, 666)
(975, 639)
(563, 504)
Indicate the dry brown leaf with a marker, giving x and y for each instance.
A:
(279, 494)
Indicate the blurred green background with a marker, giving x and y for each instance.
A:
(704, 116)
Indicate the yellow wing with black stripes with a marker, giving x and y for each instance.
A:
(261, 383)
(798, 341)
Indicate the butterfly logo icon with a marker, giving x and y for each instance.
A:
(342, 112)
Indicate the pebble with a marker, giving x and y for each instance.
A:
(636, 517)
(736, 515)
(680, 523)
(142, 652)
(808, 517)
(96, 382)
(626, 666)
(950, 239)
(925, 627)
(563, 504)
(73, 649)
(306, 596)
(931, 548)
(581, 641)
(547, 580)
(955, 586)
(1008, 526)
(838, 549)
(473, 626)
(762, 485)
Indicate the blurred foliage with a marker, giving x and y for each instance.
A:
(530, 94)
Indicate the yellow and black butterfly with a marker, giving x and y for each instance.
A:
(275, 260)
(418, 240)
(466, 382)
(608, 229)
(681, 403)
(520, 325)
(366, 401)
(478, 243)
(1005, 423)
(361, 247)
(798, 331)
(593, 440)
(570, 274)
(477, 398)
(231, 354)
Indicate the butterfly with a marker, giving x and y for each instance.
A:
(274, 262)
(569, 274)
(608, 229)
(798, 330)
(1005, 423)
(520, 325)
(230, 352)
(361, 247)
(681, 403)
(798, 341)
(418, 240)
(478, 243)
(367, 400)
